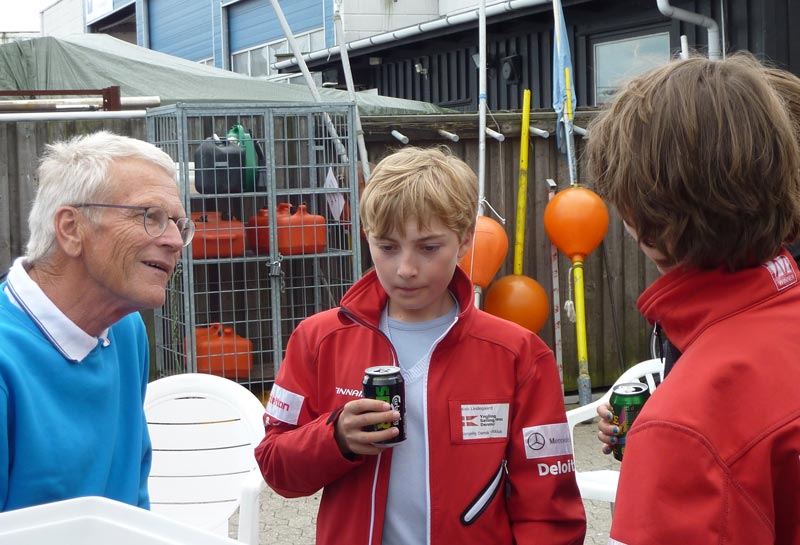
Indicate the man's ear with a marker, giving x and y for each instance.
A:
(69, 231)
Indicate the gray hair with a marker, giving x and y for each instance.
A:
(76, 171)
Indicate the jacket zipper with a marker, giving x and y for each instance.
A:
(357, 320)
(476, 508)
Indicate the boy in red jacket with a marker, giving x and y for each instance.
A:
(487, 457)
(700, 160)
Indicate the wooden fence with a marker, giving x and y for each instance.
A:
(615, 273)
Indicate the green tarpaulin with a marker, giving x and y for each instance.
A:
(95, 61)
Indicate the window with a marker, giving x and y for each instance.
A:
(616, 61)
(257, 61)
(240, 62)
(207, 62)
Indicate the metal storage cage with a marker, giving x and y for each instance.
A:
(254, 270)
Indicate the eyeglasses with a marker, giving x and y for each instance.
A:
(155, 220)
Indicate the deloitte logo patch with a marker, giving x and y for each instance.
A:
(556, 469)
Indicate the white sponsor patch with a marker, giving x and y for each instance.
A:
(781, 271)
(612, 541)
(558, 468)
(546, 440)
(484, 421)
(284, 405)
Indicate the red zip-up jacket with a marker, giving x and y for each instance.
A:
(714, 456)
(509, 480)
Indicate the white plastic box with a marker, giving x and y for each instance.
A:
(97, 521)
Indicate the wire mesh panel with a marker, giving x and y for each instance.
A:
(271, 190)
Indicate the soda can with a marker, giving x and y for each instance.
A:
(385, 383)
(627, 400)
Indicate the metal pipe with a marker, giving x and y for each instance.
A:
(714, 48)
(684, 46)
(400, 136)
(287, 31)
(541, 133)
(447, 134)
(69, 116)
(55, 104)
(338, 25)
(496, 135)
(420, 28)
(482, 129)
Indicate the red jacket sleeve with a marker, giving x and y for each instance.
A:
(299, 454)
(674, 488)
(544, 505)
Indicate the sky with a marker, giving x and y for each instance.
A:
(22, 15)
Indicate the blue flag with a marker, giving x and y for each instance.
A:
(563, 88)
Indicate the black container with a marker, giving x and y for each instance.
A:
(218, 166)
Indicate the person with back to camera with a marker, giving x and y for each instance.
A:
(106, 231)
(482, 393)
(787, 86)
(700, 160)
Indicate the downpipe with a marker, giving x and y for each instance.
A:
(714, 46)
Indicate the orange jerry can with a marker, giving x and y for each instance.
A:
(300, 233)
(216, 235)
(222, 352)
(258, 231)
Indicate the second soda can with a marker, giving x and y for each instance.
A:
(627, 401)
(385, 383)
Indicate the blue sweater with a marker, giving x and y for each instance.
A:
(72, 429)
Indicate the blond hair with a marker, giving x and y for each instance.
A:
(420, 184)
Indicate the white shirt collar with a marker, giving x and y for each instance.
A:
(69, 339)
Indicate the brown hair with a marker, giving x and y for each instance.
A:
(700, 158)
(788, 87)
(421, 184)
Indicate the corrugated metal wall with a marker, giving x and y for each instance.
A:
(253, 22)
(182, 29)
(763, 27)
(615, 273)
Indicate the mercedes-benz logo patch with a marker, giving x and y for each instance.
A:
(536, 441)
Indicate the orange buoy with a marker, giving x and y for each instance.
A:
(490, 247)
(576, 220)
(520, 299)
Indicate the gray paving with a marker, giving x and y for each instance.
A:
(292, 521)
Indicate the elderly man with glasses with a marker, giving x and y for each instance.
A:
(106, 232)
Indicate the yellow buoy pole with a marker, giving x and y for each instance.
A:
(584, 380)
(522, 191)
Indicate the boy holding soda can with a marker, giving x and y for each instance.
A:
(701, 160)
(486, 456)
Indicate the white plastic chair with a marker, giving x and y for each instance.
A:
(602, 484)
(204, 429)
(92, 519)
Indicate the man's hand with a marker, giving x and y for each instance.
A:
(358, 414)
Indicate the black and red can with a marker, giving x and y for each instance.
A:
(385, 383)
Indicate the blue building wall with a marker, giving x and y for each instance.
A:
(193, 29)
(179, 27)
(253, 22)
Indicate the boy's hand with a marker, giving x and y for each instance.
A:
(355, 416)
(608, 432)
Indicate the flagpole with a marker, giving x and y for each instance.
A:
(481, 104)
(481, 122)
(563, 102)
(569, 132)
